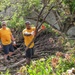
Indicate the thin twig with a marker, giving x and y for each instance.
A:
(45, 17)
(40, 15)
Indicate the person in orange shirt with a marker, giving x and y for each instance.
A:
(28, 34)
(6, 41)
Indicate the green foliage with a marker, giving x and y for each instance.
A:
(23, 8)
(16, 22)
(0, 23)
(13, 21)
(64, 65)
(71, 4)
(4, 4)
(40, 67)
(35, 3)
(72, 42)
(6, 73)
(44, 67)
(49, 28)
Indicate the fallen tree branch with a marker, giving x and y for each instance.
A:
(37, 27)
(16, 64)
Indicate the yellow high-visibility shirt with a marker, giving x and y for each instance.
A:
(5, 36)
(28, 39)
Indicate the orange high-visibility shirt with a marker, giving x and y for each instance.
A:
(5, 36)
(28, 39)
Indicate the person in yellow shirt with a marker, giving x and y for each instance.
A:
(28, 34)
(6, 40)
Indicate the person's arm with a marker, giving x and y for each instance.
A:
(0, 45)
(12, 38)
(35, 32)
(26, 34)
(0, 42)
(40, 30)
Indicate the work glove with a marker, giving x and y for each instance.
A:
(32, 33)
(14, 43)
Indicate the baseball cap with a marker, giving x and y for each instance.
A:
(3, 23)
(28, 22)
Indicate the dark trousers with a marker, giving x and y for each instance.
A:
(29, 52)
(8, 48)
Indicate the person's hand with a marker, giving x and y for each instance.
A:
(32, 33)
(0, 46)
(14, 43)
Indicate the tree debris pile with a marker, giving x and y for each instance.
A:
(45, 45)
